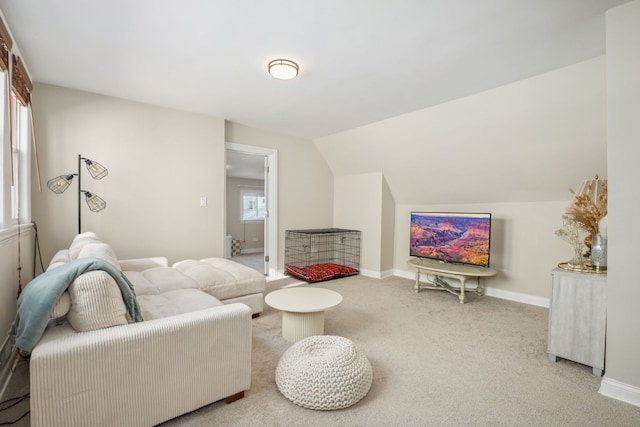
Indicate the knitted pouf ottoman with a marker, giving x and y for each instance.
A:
(324, 372)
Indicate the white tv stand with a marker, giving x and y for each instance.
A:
(453, 271)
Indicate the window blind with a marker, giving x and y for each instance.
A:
(20, 82)
(6, 44)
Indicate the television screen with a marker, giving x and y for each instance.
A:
(451, 237)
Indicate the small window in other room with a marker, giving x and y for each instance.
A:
(252, 204)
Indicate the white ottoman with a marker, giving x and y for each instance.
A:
(324, 372)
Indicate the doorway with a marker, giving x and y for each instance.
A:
(251, 211)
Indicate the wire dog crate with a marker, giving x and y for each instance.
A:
(322, 254)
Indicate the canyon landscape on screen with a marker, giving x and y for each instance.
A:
(451, 237)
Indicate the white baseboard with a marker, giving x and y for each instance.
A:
(620, 391)
(277, 276)
(376, 274)
(386, 273)
(404, 274)
(517, 297)
(251, 251)
(492, 292)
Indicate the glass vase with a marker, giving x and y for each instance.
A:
(577, 261)
(599, 252)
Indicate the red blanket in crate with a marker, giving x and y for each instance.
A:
(320, 272)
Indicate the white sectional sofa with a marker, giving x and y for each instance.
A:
(93, 366)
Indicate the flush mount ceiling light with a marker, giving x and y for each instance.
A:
(283, 69)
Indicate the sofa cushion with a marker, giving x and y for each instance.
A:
(223, 278)
(56, 264)
(60, 257)
(156, 281)
(62, 307)
(104, 251)
(141, 264)
(176, 302)
(96, 302)
(80, 241)
(84, 245)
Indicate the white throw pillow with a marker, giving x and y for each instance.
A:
(96, 302)
(80, 241)
(90, 234)
(63, 304)
(62, 307)
(61, 256)
(55, 265)
(104, 251)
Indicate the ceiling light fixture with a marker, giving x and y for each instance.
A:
(283, 69)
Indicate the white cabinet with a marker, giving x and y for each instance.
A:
(578, 318)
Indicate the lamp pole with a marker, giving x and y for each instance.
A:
(79, 194)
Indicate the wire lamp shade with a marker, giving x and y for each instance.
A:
(95, 203)
(96, 170)
(60, 184)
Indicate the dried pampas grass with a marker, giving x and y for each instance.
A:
(588, 212)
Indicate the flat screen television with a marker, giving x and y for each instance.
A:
(451, 237)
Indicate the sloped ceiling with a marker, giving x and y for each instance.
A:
(361, 60)
(528, 141)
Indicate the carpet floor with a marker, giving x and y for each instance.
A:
(435, 362)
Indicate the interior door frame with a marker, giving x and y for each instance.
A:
(271, 193)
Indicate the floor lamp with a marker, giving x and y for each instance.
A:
(59, 184)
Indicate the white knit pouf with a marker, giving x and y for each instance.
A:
(324, 372)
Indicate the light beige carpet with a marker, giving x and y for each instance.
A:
(435, 363)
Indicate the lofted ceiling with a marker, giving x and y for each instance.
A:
(361, 61)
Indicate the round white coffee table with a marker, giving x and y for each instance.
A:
(302, 310)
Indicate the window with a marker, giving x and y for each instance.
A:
(5, 181)
(20, 158)
(252, 204)
(15, 143)
(15, 139)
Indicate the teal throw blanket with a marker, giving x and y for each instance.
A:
(40, 296)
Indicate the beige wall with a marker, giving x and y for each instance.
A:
(305, 182)
(363, 202)
(513, 151)
(623, 85)
(251, 234)
(160, 163)
(388, 230)
(358, 206)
